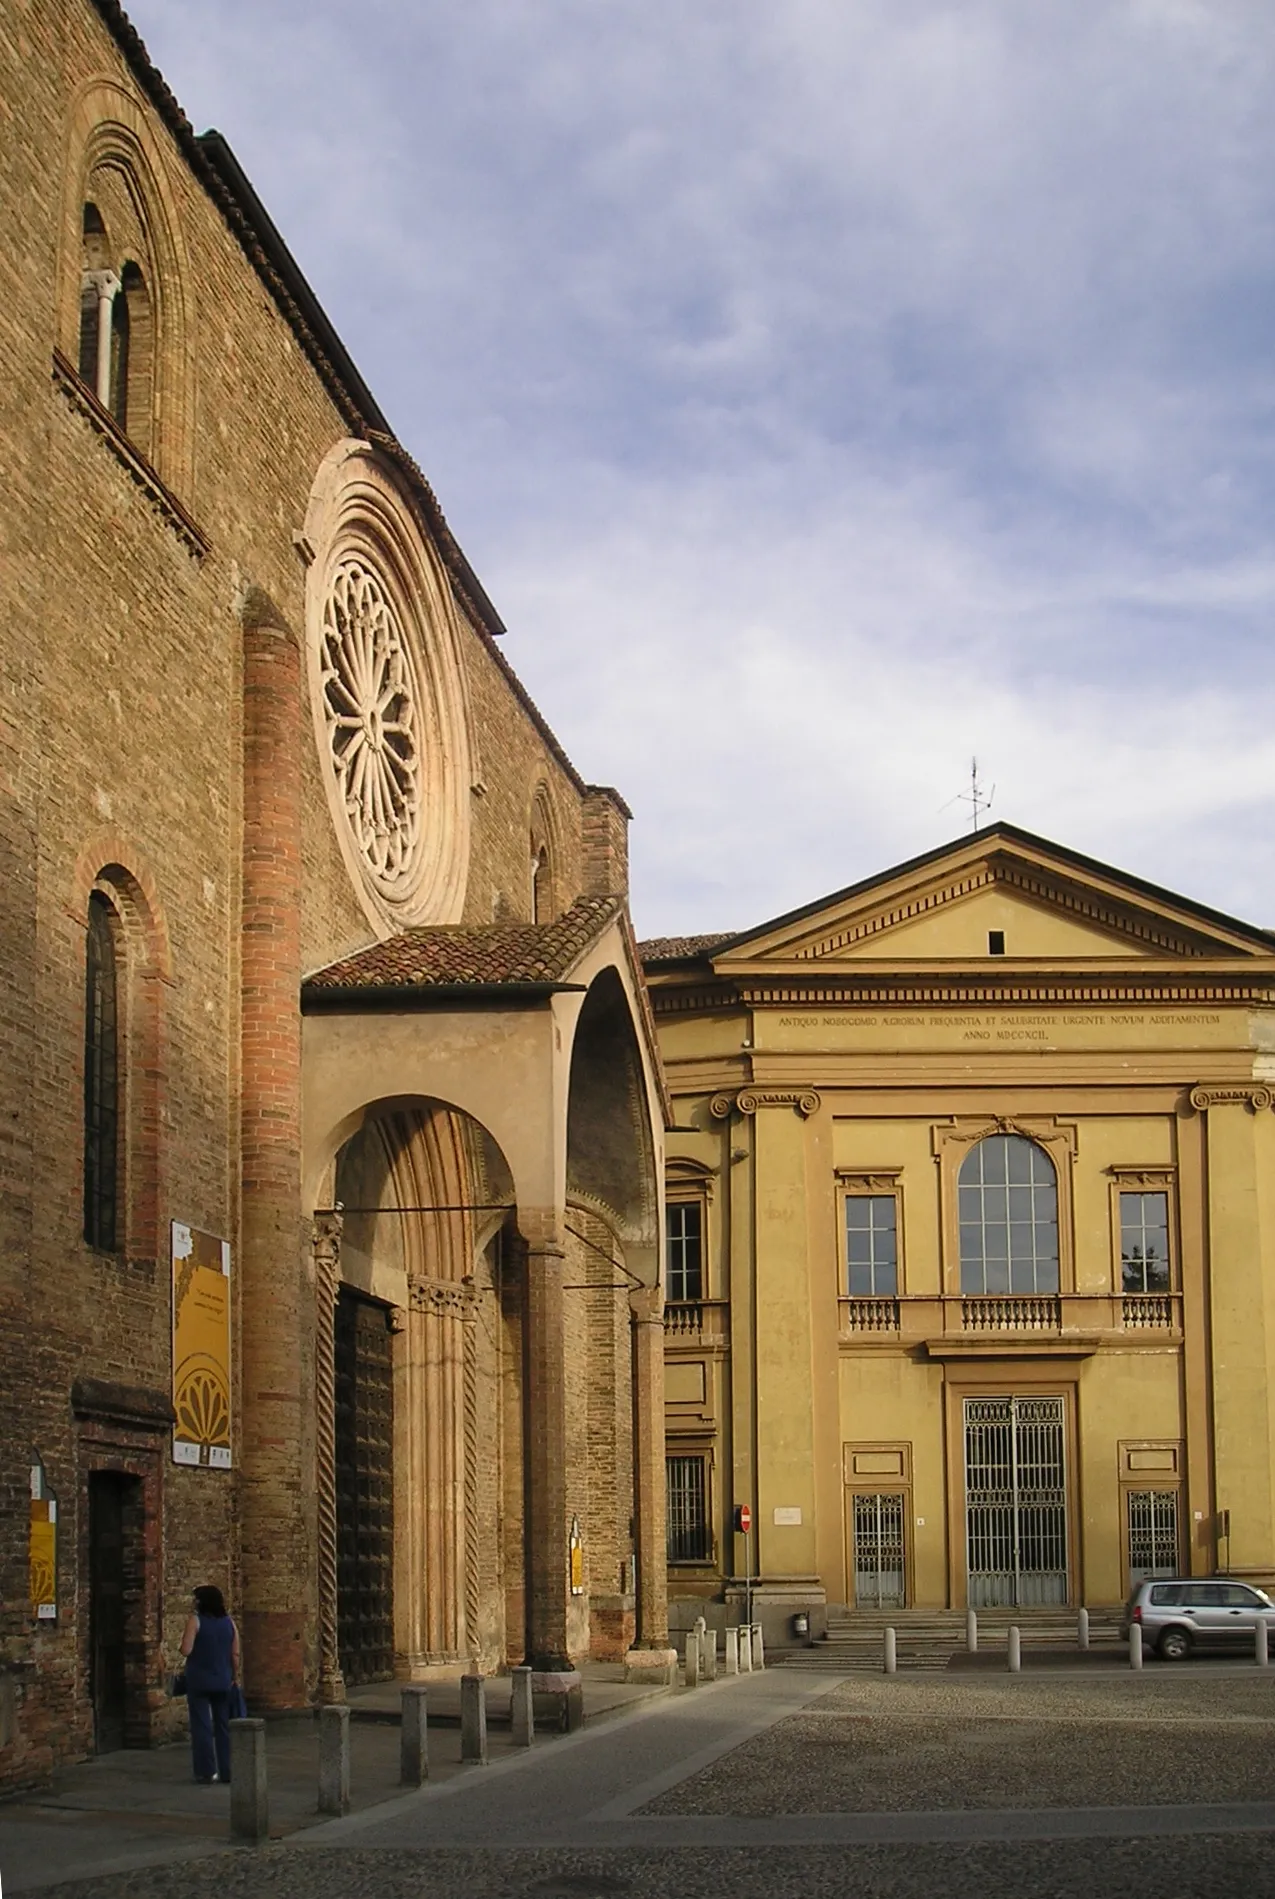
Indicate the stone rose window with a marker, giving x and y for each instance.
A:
(388, 695)
(370, 701)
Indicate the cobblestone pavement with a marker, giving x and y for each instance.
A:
(993, 1742)
(771, 1787)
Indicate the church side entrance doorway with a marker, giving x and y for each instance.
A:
(363, 1365)
(115, 1566)
(1015, 1502)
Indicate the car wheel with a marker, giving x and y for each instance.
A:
(1174, 1645)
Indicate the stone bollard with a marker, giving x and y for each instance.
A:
(334, 1760)
(1082, 1629)
(249, 1800)
(1015, 1659)
(413, 1749)
(1135, 1645)
(710, 1654)
(745, 1648)
(692, 1659)
(971, 1631)
(522, 1707)
(732, 1651)
(473, 1720)
(759, 1649)
(891, 1661)
(1260, 1643)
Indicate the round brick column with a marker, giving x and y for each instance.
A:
(278, 1611)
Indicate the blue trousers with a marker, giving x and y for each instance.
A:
(210, 1733)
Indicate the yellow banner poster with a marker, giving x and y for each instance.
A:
(43, 1559)
(201, 1348)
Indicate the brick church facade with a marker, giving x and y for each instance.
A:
(331, 1117)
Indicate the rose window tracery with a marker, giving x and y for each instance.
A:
(370, 705)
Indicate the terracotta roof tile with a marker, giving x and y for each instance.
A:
(453, 955)
(680, 949)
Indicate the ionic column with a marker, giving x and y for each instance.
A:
(650, 1657)
(327, 1281)
(546, 1452)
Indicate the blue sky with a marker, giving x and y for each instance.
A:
(826, 391)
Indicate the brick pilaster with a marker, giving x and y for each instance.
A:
(276, 1317)
(605, 838)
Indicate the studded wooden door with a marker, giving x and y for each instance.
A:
(364, 1489)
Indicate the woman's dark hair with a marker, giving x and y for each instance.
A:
(210, 1601)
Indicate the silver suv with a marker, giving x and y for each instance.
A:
(1180, 1615)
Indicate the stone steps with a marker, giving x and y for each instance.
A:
(927, 1640)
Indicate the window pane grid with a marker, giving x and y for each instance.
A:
(1144, 1242)
(101, 1080)
(1008, 1210)
(684, 1229)
(689, 1540)
(872, 1246)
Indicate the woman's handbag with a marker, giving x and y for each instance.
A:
(177, 1685)
(238, 1708)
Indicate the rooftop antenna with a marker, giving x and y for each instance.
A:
(976, 798)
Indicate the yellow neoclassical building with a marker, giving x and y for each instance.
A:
(971, 1240)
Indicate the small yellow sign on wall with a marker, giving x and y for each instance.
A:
(575, 1544)
(42, 1547)
(201, 1348)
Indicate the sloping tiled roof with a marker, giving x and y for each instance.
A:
(452, 956)
(680, 949)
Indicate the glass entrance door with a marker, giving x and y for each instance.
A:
(878, 1551)
(1015, 1502)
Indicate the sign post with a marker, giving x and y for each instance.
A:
(744, 1528)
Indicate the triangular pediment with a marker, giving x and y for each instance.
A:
(1044, 904)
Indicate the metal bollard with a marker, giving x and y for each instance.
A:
(1015, 1651)
(522, 1707)
(473, 1720)
(334, 1760)
(1082, 1629)
(249, 1799)
(745, 1648)
(891, 1659)
(1135, 1645)
(971, 1631)
(732, 1651)
(709, 1654)
(692, 1660)
(1260, 1643)
(413, 1750)
(759, 1650)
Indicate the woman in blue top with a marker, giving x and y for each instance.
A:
(211, 1647)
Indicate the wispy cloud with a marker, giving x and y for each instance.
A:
(826, 390)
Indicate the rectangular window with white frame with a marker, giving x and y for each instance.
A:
(1145, 1263)
(684, 1237)
(872, 1245)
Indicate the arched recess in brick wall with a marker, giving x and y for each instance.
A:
(545, 856)
(113, 163)
(388, 694)
(142, 970)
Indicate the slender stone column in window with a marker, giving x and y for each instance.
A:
(105, 286)
(327, 1279)
(651, 1658)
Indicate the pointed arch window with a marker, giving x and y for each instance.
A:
(1009, 1217)
(101, 1078)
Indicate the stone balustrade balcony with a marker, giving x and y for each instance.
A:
(949, 1325)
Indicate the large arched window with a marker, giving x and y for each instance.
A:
(1009, 1217)
(101, 1079)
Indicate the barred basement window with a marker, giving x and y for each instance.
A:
(684, 1232)
(689, 1537)
(1152, 1517)
(101, 1079)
